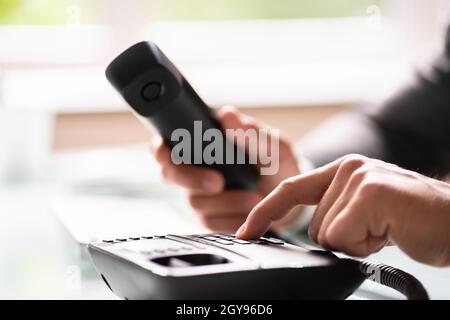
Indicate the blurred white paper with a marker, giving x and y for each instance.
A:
(93, 218)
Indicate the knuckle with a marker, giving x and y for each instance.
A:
(288, 184)
(356, 156)
(253, 199)
(361, 174)
(352, 162)
(371, 188)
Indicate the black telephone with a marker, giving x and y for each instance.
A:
(160, 96)
(219, 266)
(214, 266)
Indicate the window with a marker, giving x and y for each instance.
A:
(44, 12)
(59, 11)
(257, 9)
(256, 51)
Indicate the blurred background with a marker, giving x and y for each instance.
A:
(74, 162)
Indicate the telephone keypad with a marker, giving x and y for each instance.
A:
(228, 239)
(221, 239)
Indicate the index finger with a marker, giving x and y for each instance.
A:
(302, 189)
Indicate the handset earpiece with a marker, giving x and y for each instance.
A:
(161, 96)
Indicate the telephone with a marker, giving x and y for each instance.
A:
(219, 266)
(214, 266)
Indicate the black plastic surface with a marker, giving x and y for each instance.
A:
(157, 92)
(334, 278)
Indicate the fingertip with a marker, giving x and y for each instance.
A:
(252, 229)
(248, 232)
(229, 117)
(240, 233)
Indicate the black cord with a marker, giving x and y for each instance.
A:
(388, 276)
(396, 279)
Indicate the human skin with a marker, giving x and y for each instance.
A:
(362, 204)
(218, 209)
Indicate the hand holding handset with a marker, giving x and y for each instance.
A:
(161, 96)
(214, 265)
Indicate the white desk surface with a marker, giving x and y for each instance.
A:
(37, 261)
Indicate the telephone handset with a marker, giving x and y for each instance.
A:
(160, 96)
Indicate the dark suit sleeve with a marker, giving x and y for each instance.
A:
(411, 129)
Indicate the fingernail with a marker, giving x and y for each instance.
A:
(156, 140)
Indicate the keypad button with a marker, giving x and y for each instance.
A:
(273, 241)
(121, 239)
(226, 237)
(108, 241)
(159, 251)
(211, 238)
(147, 237)
(259, 241)
(241, 241)
(134, 238)
(222, 241)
